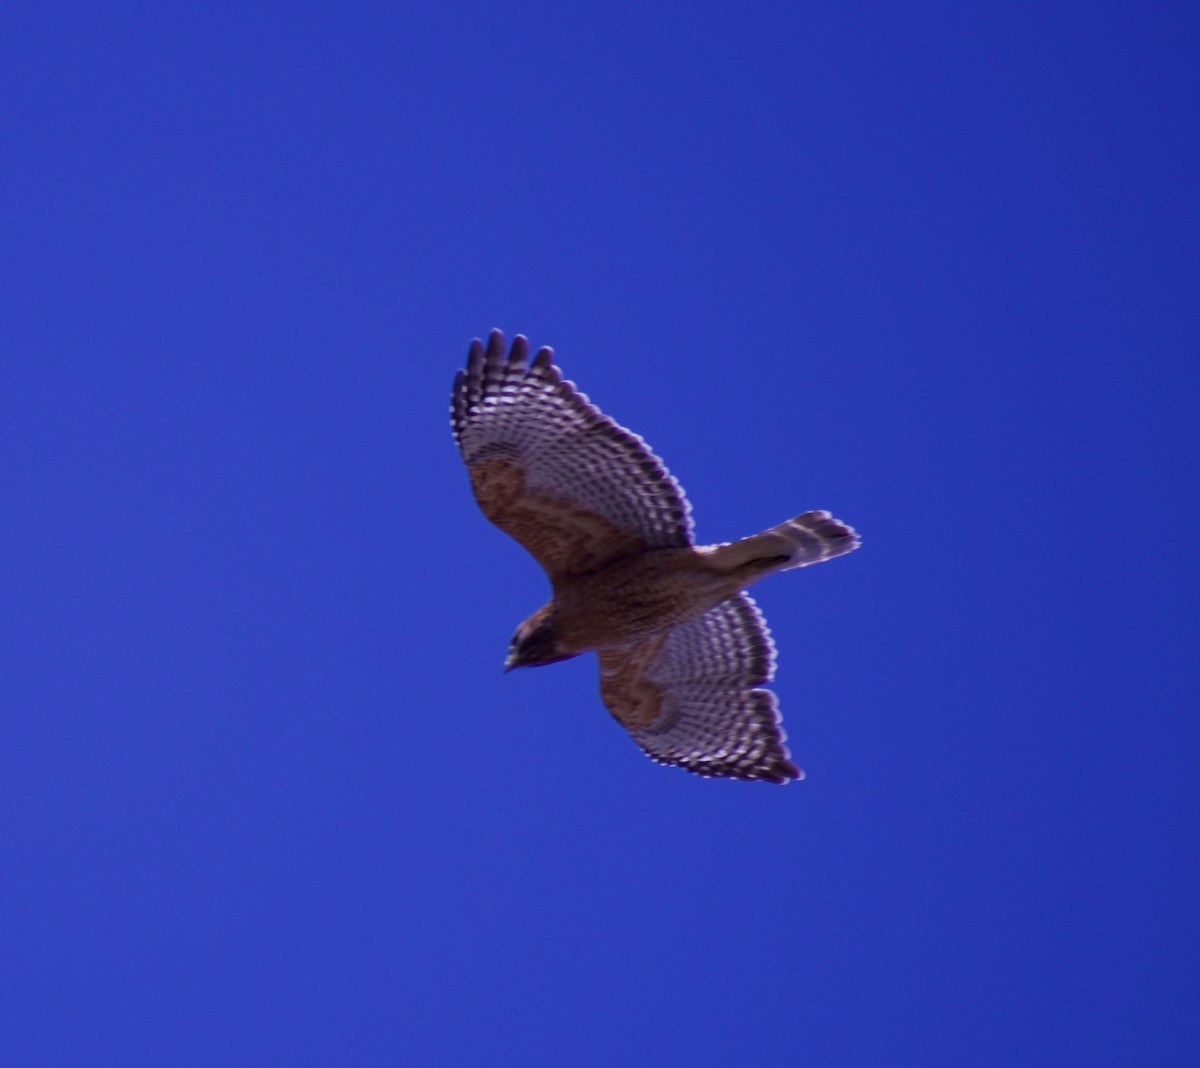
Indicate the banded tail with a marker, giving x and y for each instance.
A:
(807, 539)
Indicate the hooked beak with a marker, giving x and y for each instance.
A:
(510, 662)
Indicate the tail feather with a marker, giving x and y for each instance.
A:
(815, 536)
(807, 539)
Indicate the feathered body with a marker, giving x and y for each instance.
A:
(681, 647)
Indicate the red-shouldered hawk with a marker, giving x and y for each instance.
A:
(682, 649)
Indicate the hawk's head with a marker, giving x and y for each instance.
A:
(535, 642)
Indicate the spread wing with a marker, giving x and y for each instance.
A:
(688, 696)
(552, 470)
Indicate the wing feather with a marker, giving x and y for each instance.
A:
(550, 469)
(690, 697)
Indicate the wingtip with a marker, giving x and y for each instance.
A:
(780, 773)
(495, 344)
(519, 353)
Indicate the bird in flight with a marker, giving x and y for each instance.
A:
(683, 650)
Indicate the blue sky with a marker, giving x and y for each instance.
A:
(265, 796)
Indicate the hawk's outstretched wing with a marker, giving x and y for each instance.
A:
(688, 695)
(552, 470)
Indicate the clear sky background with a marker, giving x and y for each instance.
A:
(265, 796)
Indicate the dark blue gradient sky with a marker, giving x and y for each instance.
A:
(265, 796)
